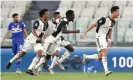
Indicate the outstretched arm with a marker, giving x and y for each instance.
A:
(65, 31)
(87, 30)
(5, 36)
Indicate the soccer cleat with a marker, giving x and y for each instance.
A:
(60, 66)
(84, 59)
(30, 72)
(51, 70)
(8, 65)
(108, 73)
(18, 71)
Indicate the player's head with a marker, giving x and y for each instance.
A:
(57, 15)
(115, 11)
(70, 15)
(44, 14)
(15, 17)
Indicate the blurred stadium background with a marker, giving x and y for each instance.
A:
(87, 13)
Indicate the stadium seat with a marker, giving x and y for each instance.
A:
(127, 13)
(106, 3)
(120, 3)
(88, 12)
(65, 4)
(79, 3)
(130, 3)
(129, 36)
(93, 3)
(100, 12)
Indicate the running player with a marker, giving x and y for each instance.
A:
(34, 37)
(62, 28)
(103, 36)
(52, 25)
(18, 30)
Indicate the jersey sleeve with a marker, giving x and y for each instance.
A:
(23, 25)
(9, 27)
(35, 24)
(101, 21)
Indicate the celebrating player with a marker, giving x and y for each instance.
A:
(52, 25)
(34, 37)
(18, 30)
(103, 35)
(62, 28)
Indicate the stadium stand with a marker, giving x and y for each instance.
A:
(86, 12)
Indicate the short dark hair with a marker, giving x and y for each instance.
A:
(42, 12)
(69, 13)
(114, 8)
(15, 14)
(56, 13)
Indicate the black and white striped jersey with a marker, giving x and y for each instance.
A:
(104, 26)
(63, 24)
(40, 30)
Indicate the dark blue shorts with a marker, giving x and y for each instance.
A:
(17, 46)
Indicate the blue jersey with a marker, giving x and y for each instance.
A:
(17, 31)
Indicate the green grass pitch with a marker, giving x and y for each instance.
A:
(67, 76)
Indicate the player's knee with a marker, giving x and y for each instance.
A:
(22, 53)
(69, 48)
(39, 53)
(48, 57)
(57, 53)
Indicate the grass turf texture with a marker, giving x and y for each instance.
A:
(66, 76)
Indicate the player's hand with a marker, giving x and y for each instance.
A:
(83, 36)
(45, 36)
(77, 31)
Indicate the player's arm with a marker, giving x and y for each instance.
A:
(7, 33)
(65, 31)
(35, 26)
(24, 30)
(87, 30)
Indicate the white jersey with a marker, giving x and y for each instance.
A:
(40, 30)
(104, 26)
(63, 24)
(52, 27)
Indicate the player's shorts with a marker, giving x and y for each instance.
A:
(27, 45)
(16, 46)
(50, 45)
(101, 43)
(64, 43)
(38, 46)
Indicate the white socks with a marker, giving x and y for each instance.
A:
(15, 58)
(34, 62)
(54, 62)
(94, 56)
(42, 60)
(63, 57)
(105, 65)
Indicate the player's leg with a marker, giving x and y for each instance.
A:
(85, 57)
(38, 49)
(54, 61)
(18, 61)
(103, 54)
(69, 48)
(27, 46)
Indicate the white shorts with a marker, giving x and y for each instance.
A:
(27, 45)
(101, 43)
(38, 46)
(64, 43)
